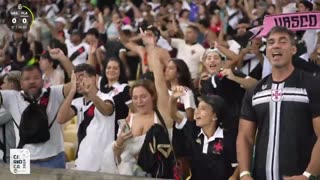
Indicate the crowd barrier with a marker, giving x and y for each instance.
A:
(38, 173)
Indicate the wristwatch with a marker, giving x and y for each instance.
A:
(310, 176)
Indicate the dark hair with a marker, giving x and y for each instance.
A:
(184, 76)
(155, 31)
(30, 68)
(182, 12)
(194, 28)
(284, 30)
(122, 78)
(183, 73)
(218, 106)
(149, 86)
(85, 68)
(307, 4)
(205, 23)
(46, 55)
(94, 32)
(272, 5)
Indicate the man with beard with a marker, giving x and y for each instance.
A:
(50, 152)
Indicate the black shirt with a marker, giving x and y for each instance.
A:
(230, 91)
(210, 158)
(305, 65)
(283, 112)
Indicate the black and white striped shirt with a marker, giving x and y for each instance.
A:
(283, 112)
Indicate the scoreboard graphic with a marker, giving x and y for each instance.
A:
(19, 18)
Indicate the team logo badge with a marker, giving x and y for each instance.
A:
(264, 87)
(276, 95)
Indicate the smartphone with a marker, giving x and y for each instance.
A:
(249, 44)
(127, 127)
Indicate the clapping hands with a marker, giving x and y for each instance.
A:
(88, 86)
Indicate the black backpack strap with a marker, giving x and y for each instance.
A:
(3, 144)
(162, 121)
(47, 95)
(166, 130)
(54, 119)
(16, 123)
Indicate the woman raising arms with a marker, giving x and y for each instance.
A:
(150, 104)
(210, 148)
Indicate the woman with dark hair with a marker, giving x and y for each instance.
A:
(113, 81)
(178, 74)
(210, 148)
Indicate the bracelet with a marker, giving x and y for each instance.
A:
(245, 173)
(117, 146)
(307, 174)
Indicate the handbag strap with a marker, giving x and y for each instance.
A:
(167, 132)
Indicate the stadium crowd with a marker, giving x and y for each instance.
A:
(177, 89)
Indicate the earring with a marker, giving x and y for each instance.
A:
(214, 119)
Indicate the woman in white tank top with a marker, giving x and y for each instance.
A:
(121, 156)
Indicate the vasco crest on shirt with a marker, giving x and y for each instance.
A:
(276, 95)
(217, 147)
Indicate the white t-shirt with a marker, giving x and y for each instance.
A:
(89, 22)
(185, 102)
(310, 37)
(289, 8)
(99, 133)
(56, 78)
(190, 54)
(82, 58)
(266, 67)
(234, 21)
(14, 103)
(51, 10)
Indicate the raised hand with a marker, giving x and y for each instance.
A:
(85, 85)
(88, 86)
(216, 45)
(73, 83)
(227, 73)
(147, 39)
(178, 92)
(56, 53)
(93, 48)
(205, 76)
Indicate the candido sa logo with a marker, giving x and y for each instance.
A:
(19, 161)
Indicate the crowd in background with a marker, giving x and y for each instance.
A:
(180, 64)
